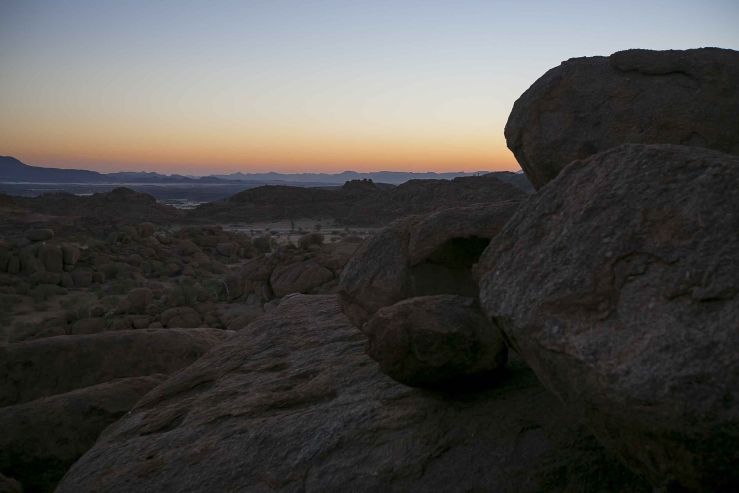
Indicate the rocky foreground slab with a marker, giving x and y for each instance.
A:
(292, 403)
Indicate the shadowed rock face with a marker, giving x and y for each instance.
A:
(420, 256)
(619, 284)
(589, 105)
(43, 438)
(291, 403)
(45, 367)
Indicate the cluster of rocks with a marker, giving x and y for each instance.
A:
(618, 283)
(311, 267)
(138, 274)
(39, 262)
(410, 290)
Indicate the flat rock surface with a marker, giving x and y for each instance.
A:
(591, 104)
(619, 284)
(43, 438)
(55, 365)
(292, 404)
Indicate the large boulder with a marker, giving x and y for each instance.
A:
(70, 253)
(81, 278)
(45, 367)
(51, 257)
(435, 341)
(187, 247)
(43, 438)
(589, 105)
(420, 256)
(140, 298)
(145, 230)
(292, 403)
(310, 239)
(227, 248)
(251, 274)
(298, 277)
(618, 284)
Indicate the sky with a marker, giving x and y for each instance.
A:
(302, 86)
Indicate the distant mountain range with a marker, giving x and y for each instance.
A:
(14, 171)
(392, 177)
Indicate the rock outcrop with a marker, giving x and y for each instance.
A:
(420, 256)
(618, 283)
(435, 341)
(118, 204)
(43, 438)
(292, 403)
(358, 205)
(45, 367)
(589, 105)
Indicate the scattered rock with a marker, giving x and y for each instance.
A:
(46, 367)
(589, 105)
(292, 403)
(618, 284)
(43, 438)
(435, 341)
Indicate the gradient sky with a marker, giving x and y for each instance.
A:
(219, 86)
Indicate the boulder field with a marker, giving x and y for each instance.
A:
(292, 403)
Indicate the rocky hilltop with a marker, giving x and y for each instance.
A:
(359, 203)
(121, 204)
(584, 338)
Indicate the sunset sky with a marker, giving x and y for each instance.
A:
(254, 86)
